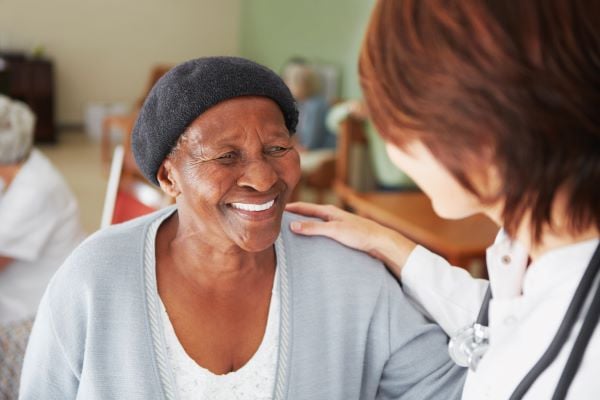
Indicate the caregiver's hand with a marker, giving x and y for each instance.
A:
(353, 231)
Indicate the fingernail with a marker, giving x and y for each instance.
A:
(296, 226)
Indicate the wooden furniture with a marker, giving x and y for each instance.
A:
(461, 242)
(127, 195)
(125, 123)
(319, 180)
(31, 80)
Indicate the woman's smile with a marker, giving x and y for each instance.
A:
(255, 209)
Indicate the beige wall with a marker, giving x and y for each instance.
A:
(103, 49)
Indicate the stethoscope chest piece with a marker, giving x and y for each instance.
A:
(468, 345)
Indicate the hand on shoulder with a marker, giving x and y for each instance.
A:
(353, 231)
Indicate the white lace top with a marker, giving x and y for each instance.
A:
(254, 381)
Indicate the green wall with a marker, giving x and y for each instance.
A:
(328, 31)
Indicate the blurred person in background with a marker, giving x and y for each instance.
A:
(305, 85)
(314, 141)
(39, 226)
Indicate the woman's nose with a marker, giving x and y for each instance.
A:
(258, 175)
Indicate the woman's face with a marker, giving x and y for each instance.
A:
(233, 174)
(448, 197)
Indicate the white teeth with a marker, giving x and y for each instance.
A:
(253, 207)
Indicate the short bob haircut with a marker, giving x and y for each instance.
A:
(514, 84)
(16, 130)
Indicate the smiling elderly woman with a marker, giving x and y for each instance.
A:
(210, 299)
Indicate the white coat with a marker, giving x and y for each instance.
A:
(527, 307)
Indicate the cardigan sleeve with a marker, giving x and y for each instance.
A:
(418, 366)
(47, 373)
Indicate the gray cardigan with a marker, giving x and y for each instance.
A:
(347, 330)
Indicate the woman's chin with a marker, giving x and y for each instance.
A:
(258, 240)
(449, 211)
(257, 245)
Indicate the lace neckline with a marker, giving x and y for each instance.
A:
(270, 336)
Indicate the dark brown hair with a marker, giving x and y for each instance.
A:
(509, 83)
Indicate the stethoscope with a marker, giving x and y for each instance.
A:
(469, 344)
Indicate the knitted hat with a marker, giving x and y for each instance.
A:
(191, 88)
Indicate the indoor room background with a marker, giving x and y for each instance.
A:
(102, 53)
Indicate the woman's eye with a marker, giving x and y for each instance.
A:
(227, 157)
(277, 150)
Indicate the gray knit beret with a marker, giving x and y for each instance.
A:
(191, 88)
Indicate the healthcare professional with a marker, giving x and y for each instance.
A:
(493, 107)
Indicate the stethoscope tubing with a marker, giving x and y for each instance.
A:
(572, 314)
(563, 332)
(585, 334)
(484, 313)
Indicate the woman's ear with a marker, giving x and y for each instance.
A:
(167, 180)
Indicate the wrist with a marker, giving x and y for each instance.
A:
(392, 248)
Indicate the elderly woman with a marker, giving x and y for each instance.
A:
(314, 141)
(304, 84)
(39, 227)
(210, 299)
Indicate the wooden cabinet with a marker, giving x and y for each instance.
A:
(32, 81)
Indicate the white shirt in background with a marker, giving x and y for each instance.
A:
(527, 307)
(39, 227)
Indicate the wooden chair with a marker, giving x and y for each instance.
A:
(462, 242)
(318, 179)
(321, 180)
(351, 140)
(125, 123)
(127, 195)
